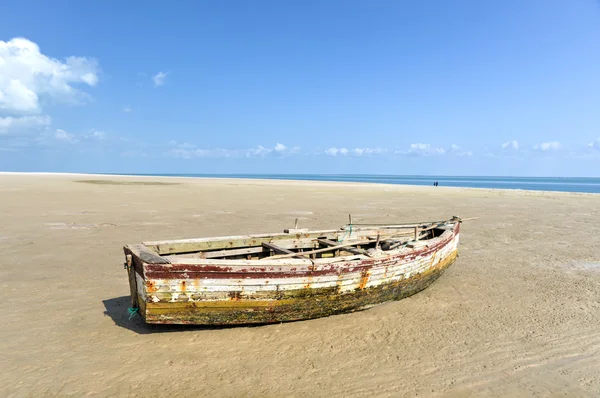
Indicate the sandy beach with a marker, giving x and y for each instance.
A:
(517, 315)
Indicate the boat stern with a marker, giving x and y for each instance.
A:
(137, 288)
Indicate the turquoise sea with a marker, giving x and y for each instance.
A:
(564, 184)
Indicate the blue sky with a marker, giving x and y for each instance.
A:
(388, 87)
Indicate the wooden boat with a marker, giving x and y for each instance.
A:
(294, 275)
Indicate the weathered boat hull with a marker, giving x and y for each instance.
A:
(222, 293)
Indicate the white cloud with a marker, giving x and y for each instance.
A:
(128, 109)
(159, 79)
(354, 152)
(27, 77)
(426, 149)
(514, 144)
(62, 135)
(184, 145)
(456, 150)
(195, 153)
(548, 146)
(595, 145)
(187, 151)
(90, 140)
(258, 151)
(417, 149)
(367, 151)
(336, 151)
(11, 122)
(421, 149)
(95, 135)
(278, 149)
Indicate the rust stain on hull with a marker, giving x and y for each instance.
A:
(364, 279)
(306, 305)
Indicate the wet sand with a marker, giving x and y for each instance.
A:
(518, 314)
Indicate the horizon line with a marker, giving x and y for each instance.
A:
(282, 174)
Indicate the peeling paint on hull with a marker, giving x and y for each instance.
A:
(313, 306)
(209, 294)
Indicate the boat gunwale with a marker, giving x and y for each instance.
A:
(374, 228)
(383, 255)
(246, 265)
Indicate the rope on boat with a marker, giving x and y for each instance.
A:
(132, 311)
(346, 232)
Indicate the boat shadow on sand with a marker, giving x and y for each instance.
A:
(116, 308)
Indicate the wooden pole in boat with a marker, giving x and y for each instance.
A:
(350, 219)
(416, 233)
(296, 224)
(314, 252)
(411, 225)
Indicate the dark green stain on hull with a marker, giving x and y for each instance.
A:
(307, 303)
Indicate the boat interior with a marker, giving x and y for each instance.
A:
(350, 240)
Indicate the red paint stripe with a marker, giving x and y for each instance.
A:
(200, 271)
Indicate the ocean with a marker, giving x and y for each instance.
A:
(561, 184)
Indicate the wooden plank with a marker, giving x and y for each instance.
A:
(146, 255)
(326, 249)
(132, 282)
(228, 242)
(408, 233)
(347, 249)
(181, 246)
(225, 242)
(285, 260)
(395, 245)
(232, 252)
(219, 253)
(304, 243)
(278, 249)
(406, 225)
(305, 240)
